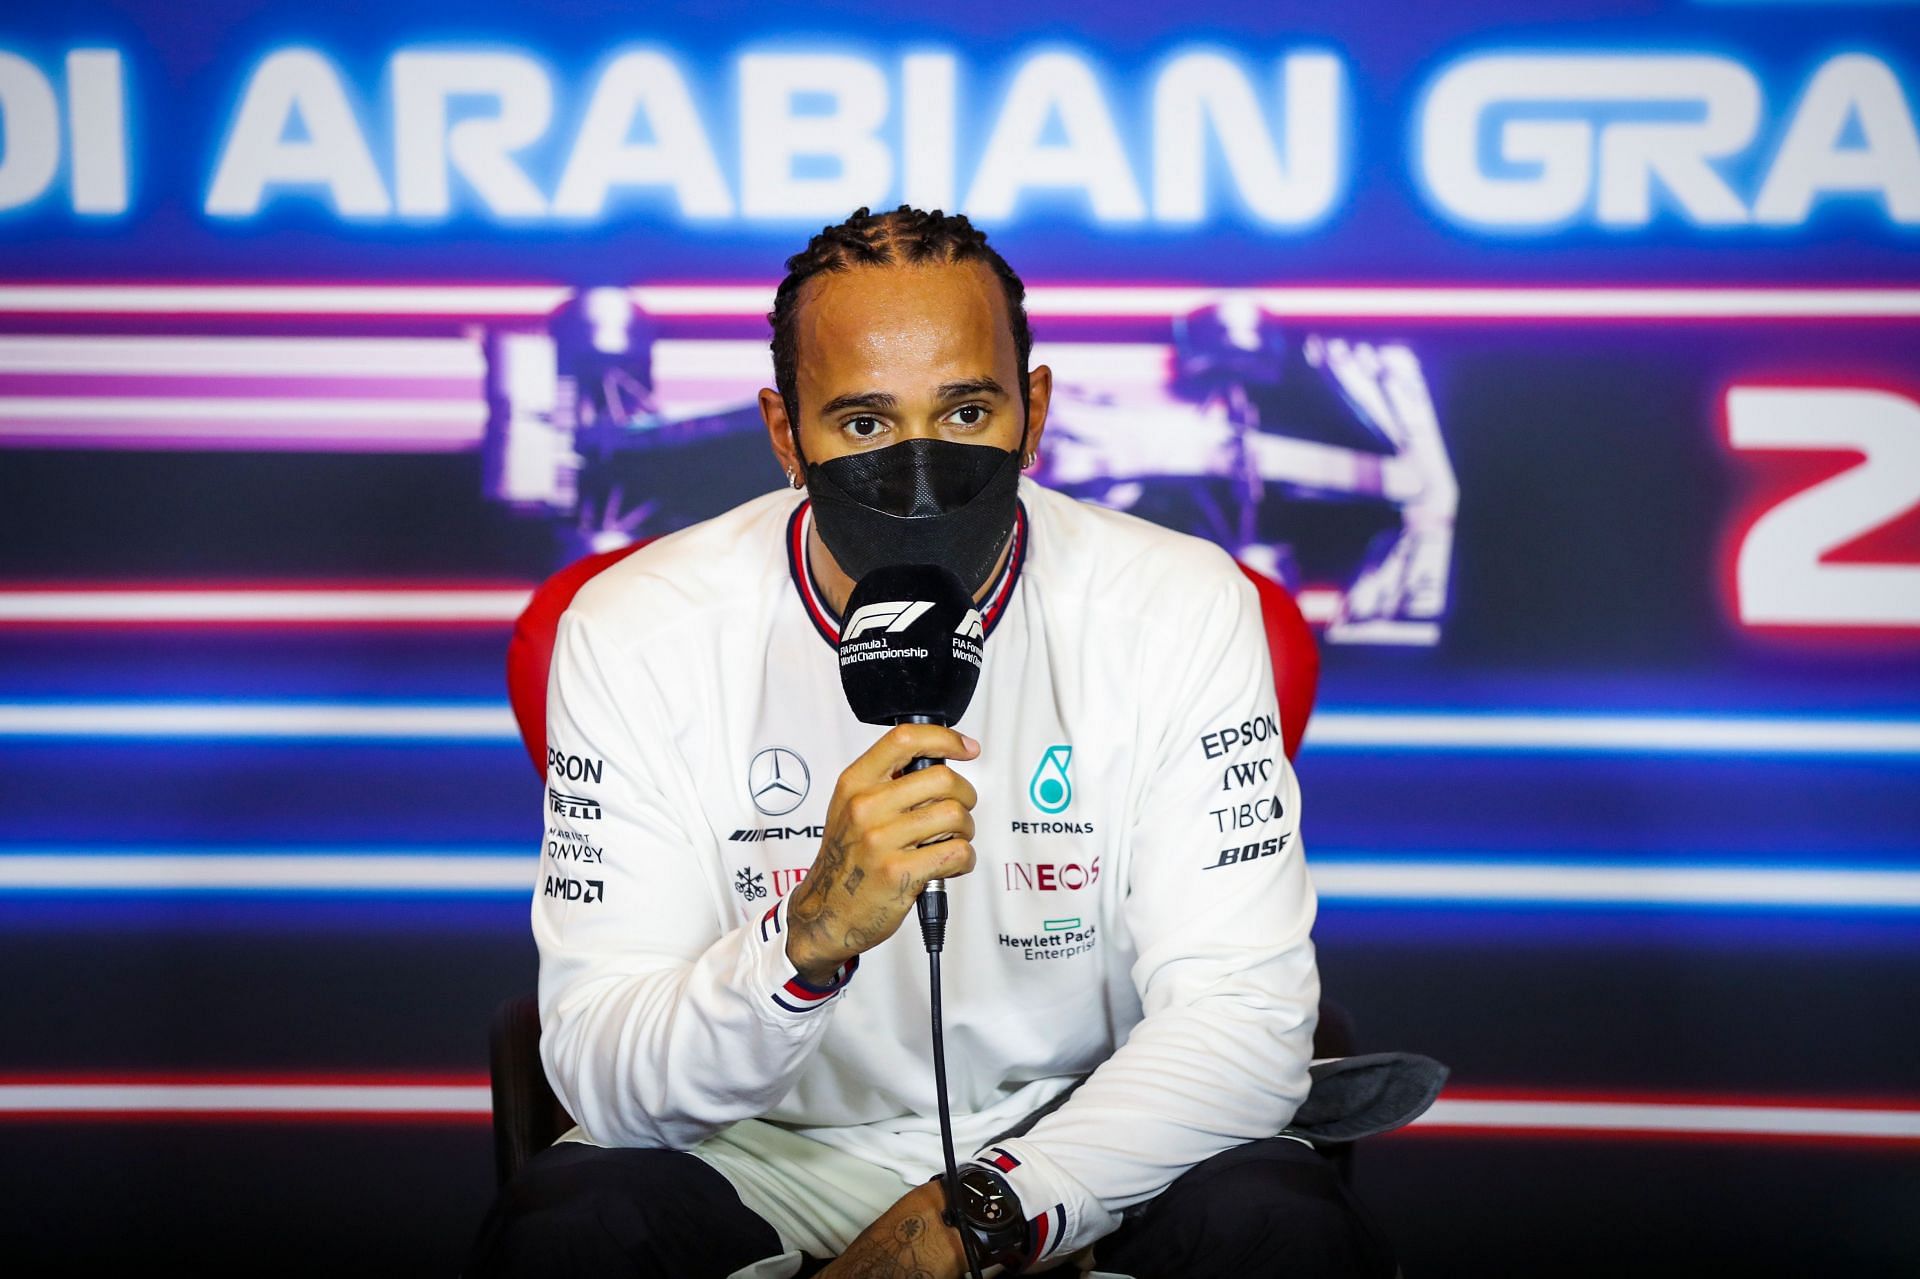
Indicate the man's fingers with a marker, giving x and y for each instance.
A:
(904, 743)
(910, 790)
(953, 858)
(948, 859)
(942, 817)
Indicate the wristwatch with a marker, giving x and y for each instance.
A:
(990, 1212)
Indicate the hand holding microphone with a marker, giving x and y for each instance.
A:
(878, 850)
(900, 821)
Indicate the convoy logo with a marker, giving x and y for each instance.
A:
(749, 883)
(575, 850)
(891, 616)
(778, 780)
(584, 891)
(1051, 790)
(576, 807)
(1249, 852)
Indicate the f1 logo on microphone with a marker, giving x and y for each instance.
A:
(893, 616)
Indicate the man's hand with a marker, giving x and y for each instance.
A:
(909, 1241)
(888, 833)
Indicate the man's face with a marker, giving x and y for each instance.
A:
(890, 353)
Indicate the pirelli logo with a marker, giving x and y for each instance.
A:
(578, 807)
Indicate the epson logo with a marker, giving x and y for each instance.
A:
(1260, 728)
(572, 768)
(891, 616)
(760, 835)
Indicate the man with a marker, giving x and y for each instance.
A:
(1130, 987)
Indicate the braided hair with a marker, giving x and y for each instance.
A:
(905, 236)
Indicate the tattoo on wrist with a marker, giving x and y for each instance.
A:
(902, 1254)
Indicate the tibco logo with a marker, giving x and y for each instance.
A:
(1047, 877)
(892, 616)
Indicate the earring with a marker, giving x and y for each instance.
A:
(793, 479)
(1026, 463)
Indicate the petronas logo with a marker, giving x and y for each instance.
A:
(1051, 790)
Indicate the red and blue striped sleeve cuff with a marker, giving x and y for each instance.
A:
(796, 994)
(1061, 1216)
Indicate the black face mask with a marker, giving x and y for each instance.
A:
(917, 502)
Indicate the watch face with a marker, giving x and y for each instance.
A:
(986, 1201)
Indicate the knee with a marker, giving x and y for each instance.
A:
(576, 1209)
(1290, 1216)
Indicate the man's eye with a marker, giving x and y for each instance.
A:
(970, 414)
(863, 428)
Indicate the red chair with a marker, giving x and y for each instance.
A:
(527, 1117)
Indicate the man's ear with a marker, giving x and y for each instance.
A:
(773, 411)
(1039, 395)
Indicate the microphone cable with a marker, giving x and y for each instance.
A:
(932, 908)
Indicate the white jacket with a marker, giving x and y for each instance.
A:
(1141, 907)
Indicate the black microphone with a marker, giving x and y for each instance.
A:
(910, 652)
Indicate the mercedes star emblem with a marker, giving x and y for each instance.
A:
(777, 780)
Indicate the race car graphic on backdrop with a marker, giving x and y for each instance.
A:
(1316, 458)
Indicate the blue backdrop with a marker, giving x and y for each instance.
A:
(1560, 357)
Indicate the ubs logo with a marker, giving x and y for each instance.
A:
(777, 781)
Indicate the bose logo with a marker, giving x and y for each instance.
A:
(893, 616)
(970, 627)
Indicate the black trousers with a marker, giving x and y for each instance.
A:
(1272, 1207)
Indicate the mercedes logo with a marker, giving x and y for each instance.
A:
(777, 780)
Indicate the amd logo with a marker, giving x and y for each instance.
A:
(584, 891)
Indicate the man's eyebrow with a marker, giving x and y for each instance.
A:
(858, 400)
(970, 386)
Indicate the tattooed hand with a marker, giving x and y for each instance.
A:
(888, 833)
(909, 1241)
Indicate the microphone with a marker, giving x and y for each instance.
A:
(910, 653)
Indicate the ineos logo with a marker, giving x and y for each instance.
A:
(777, 781)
